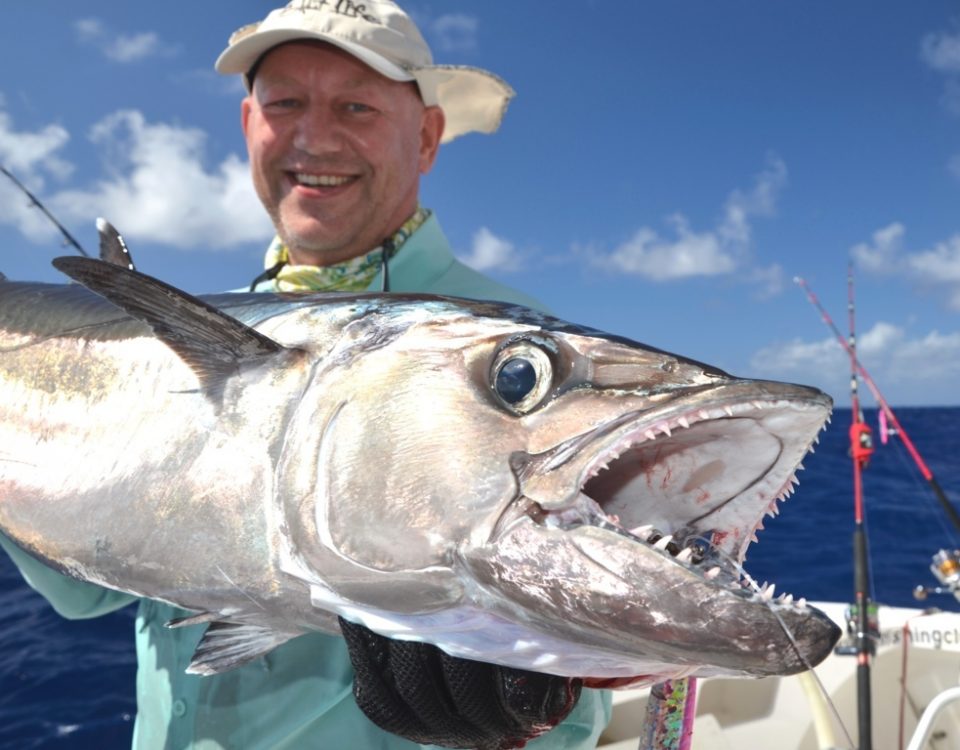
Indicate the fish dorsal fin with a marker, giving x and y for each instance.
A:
(228, 645)
(112, 247)
(214, 345)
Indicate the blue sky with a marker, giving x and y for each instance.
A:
(665, 171)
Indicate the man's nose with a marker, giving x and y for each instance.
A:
(319, 131)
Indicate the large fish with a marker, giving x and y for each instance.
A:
(502, 484)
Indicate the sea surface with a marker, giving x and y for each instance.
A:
(70, 684)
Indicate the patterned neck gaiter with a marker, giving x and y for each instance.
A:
(352, 275)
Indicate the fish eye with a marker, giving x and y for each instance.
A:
(522, 375)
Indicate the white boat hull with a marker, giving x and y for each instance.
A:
(791, 713)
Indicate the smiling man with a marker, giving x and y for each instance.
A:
(345, 112)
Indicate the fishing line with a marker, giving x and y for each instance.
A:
(757, 589)
(69, 239)
(920, 490)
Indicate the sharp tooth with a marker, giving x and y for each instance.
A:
(704, 414)
(644, 531)
(802, 603)
(786, 598)
(753, 537)
(663, 541)
(712, 573)
(684, 555)
(665, 428)
(766, 593)
(757, 405)
(650, 435)
(728, 410)
(682, 421)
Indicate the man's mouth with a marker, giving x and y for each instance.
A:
(308, 180)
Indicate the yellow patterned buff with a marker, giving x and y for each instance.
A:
(352, 275)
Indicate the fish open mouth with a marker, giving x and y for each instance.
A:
(692, 481)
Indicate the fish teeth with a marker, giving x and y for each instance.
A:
(712, 573)
(684, 555)
(650, 435)
(665, 429)
(682, 421)
(727, 410)
(662, 542)
(644, 531)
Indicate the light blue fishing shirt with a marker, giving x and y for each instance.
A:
(300, 694)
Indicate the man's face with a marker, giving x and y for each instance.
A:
(336, 150)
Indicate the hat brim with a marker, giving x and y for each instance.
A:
(241, 56)
(472, 99)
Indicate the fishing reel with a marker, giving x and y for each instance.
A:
(946, 568)
(849, 643)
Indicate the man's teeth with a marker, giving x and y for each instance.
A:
(321, 180)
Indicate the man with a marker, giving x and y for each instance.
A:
(345, 111)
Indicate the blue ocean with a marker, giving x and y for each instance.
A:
(70, 684)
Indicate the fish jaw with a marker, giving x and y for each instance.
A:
(624, 609)
(629, 536)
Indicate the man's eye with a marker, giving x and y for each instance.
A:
(283, 104)
(358, 108)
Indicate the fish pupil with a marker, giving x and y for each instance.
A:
(515, 380)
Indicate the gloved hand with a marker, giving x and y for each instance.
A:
(418, 692)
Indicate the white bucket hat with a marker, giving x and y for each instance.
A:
(382, 35)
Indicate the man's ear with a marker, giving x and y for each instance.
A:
(245, 107)
(431, 131)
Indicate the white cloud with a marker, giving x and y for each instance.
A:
(938, 266)
(490, 252)
(941, 51)
(883, 255)
(455, 32)
(769, 281)
(886, 351)
(160, 190)
(687, 252)
(30, 157)
(954, 165)
(122, 48)
(941, 263)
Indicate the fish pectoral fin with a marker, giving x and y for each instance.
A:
(195, 619)
(228, 645)
(215, 345)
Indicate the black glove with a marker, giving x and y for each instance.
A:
(418, 692)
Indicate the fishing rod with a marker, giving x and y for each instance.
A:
(886, 410)
(861, 448)
(34, 201)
